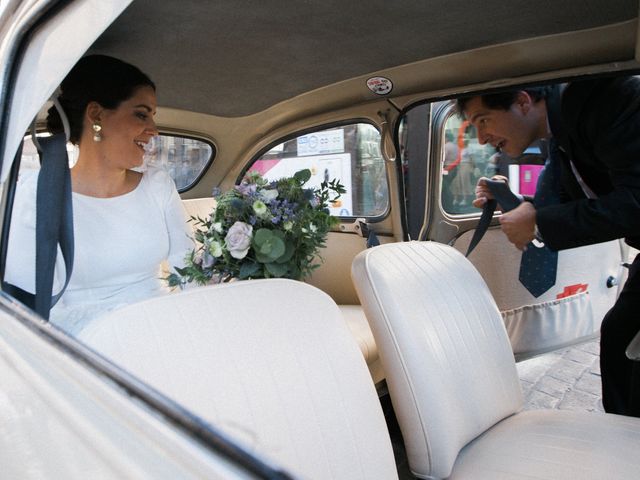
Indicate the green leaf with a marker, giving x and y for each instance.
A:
(261, 236)
(295, 273)
(181, 271)
(277, 269)
(290, 249)
(249, 270)
(302, 176)
(268, 245)
(174, 280)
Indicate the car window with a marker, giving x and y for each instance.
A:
(464, 160)
(185, 159)
(349, 153)
(435, 130)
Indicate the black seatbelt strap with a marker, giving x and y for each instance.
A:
(54, 221)
(502, 195)
(483, 224)
(370, 235)
(54, 225)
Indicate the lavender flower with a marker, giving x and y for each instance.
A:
(247, 189)
(207, 259)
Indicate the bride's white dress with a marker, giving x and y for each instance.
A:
(120, 244)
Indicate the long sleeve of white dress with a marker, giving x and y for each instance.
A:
(179, 231)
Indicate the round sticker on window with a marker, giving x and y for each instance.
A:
(379, 85)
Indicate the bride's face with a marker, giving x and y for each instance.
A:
(128, 128)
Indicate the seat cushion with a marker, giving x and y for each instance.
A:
(359, 327)
(554, 444)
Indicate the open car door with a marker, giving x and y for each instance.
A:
(444, 161)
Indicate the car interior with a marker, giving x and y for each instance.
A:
(397, 357)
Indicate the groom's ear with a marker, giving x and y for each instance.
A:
(523, 101)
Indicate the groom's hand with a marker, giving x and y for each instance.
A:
(519, 224)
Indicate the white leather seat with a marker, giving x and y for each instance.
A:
(453, 381)
(352, 314)
(270, 362)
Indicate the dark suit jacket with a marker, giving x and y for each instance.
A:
(601, 122)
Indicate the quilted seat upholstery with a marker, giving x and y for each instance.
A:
(453, 382)
(270, 362)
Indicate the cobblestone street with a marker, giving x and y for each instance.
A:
(566, 379)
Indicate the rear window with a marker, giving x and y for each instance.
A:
(349, 153)
(185, 159)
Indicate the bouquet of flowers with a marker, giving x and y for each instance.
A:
(261, 229)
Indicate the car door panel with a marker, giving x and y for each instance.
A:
(570, 311)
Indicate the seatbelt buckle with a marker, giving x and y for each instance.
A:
(361, 228)
(358, 226)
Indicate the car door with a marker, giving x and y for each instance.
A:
(444, 160)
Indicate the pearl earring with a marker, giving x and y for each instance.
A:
(97, 136)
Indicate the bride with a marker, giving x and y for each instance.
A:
(126, 223)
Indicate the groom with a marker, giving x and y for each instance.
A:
(596, 124)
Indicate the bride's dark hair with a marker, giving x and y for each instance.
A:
(95, 78)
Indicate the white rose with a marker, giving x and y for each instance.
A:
(238, 239)
(269, 195)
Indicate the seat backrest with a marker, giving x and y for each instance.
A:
(448, 363)
(270, 362)
(199, 207)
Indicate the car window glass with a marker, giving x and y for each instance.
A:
(435, 130)
(349, 153)
(464, 160)
(184, 159)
